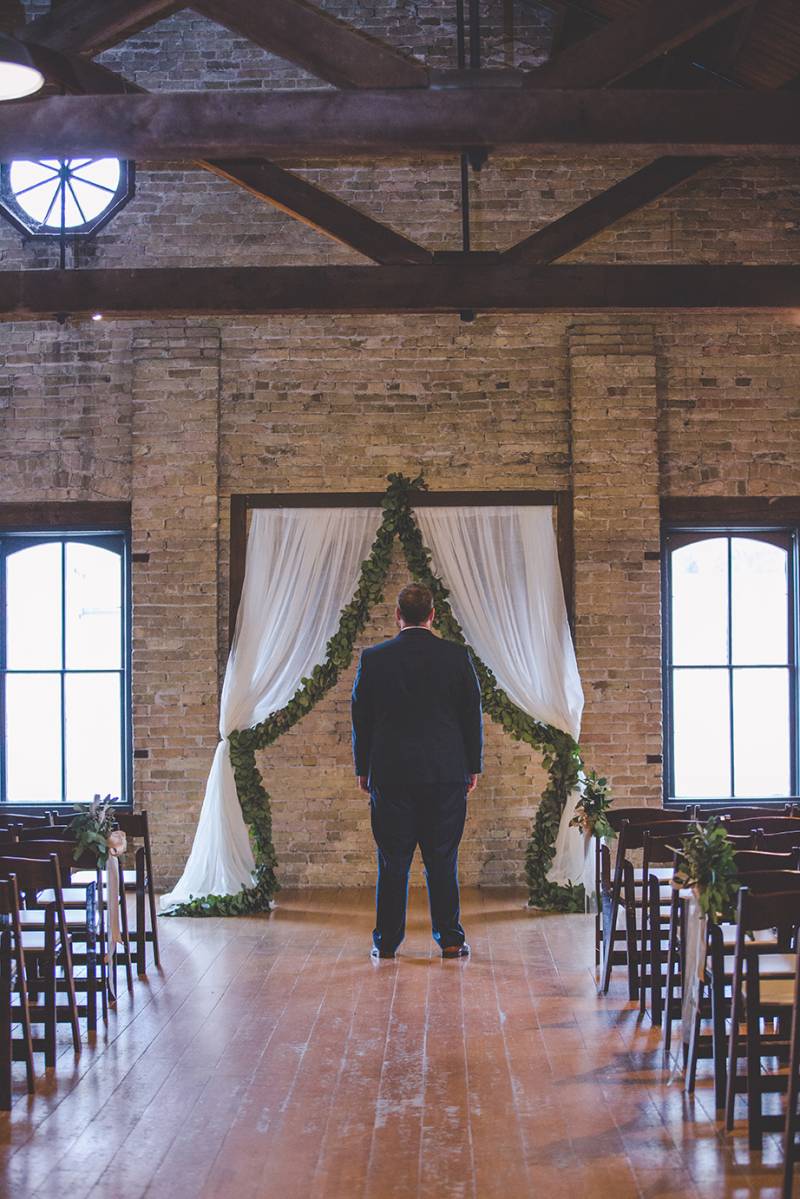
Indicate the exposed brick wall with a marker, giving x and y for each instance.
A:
(174, 448)
(616, 515)
(176, 416)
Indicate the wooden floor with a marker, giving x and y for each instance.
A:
(272, 1057)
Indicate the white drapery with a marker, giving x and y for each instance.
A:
(500, 565)
(303, 566)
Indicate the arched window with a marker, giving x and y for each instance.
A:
(730, 678)
(64, 657)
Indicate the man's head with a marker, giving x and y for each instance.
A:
(415, 606)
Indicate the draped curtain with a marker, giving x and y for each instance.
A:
(302, 568)
(500, 565)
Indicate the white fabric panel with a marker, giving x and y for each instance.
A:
(303, 565)
(501, 568)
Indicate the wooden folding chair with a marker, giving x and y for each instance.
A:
(47, 948)
(675, 968)
(791, 1150)
(761, 872)
(625, 886)
(13, 976)
(765, 991)
(86, 916)
(609, 943)
(136, 827)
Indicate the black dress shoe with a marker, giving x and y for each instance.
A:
(456, 951)
(378, 954)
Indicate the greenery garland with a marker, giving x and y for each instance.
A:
(560, 754)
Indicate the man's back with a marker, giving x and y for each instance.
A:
(416, 711)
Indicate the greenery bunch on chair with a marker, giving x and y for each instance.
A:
(95, 829)
(560, 754)
(591, 810)
(707, 866)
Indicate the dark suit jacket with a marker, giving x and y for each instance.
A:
(416, 711)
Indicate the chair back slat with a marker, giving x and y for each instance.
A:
(660, 847)
(779, 842)
(769, 908)
(743, 812)
(749, 860)
(642, 815)
(63, 848)
(133, 824)
(32, 874)
(633, 836)
(767, 824)
(48, 832)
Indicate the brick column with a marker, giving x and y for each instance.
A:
(176, 372)
(616, 485)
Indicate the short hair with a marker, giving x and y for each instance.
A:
(415, 602)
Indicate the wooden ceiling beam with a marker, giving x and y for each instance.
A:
(320, 210)
(485, 286)
(318, 42)
(186, 126)
(587, 220)
(90, 26)
(301, 200)
(630, 42)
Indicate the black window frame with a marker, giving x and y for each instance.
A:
(93, 523)
(773, 520)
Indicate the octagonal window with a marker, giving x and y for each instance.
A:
(50, 197)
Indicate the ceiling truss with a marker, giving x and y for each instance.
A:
(389, 102)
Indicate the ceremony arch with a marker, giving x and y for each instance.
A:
(231, 869)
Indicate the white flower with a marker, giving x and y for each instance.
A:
(117, 843)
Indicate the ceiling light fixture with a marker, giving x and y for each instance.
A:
(19, 76)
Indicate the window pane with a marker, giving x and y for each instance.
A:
(33, 738)
(700, 603)
(92, 736)
(701, 727)
(33, 608)
(759, 602)
(761, 733)
(93, 597)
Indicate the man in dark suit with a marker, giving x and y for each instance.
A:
(417, 745)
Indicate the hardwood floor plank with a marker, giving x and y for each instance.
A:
(271, 1056)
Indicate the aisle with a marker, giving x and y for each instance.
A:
(273, 1058)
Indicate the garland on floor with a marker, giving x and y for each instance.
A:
(560, 754)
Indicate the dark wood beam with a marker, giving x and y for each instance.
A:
(90, 26)
(320, 210)
(582, 223)
(321, 44)
(618, 49)
(79, 76)
(302, 200)
(486, 287)
(186, 126)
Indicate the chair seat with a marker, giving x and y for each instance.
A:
(33, 942)
(34, 918)
(82, 878)
(776, 992)
(730, 932)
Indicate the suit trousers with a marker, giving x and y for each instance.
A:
(404, 816)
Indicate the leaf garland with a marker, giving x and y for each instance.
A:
(560, 754)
